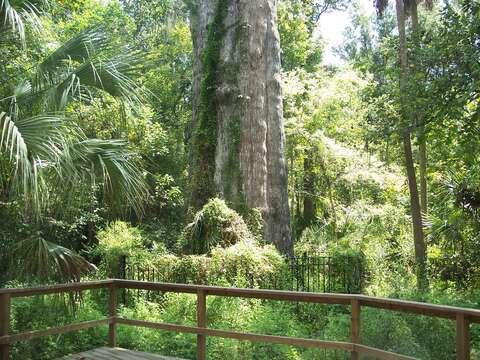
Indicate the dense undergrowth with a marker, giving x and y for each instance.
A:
(246, 263)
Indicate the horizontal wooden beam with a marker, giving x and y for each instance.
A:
(412, 307)
(54, 331)
(448, 312)
(57, 289)
(283, 340)
(238, 292)
(380, 354)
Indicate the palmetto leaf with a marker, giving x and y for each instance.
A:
(79, 48)
(78, 68)
(108, 164)
(47, 155)
(42, 258)
(31, 144)
(9, 16)
(16, 16)
(107, 75)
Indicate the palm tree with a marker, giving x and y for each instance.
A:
(15, 13)
(404, 8)
(43, 153)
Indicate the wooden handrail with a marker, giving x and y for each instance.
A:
(463, 317)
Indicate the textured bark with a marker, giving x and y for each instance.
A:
(418, 235)
(249, 163)
(422, 148)
(422, 141)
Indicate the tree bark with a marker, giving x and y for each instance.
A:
(418, 235)
(422, 141)
(237, 101)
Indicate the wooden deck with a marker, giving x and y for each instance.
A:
(115, 354)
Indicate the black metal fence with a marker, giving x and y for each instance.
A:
(321, 274)
(325, 274)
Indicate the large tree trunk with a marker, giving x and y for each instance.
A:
(238, 140)
(420, 248)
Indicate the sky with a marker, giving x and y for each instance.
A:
(331, 27)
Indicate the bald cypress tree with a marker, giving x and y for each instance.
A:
(237, 138)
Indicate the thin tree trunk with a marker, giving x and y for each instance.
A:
(418, 235)
(422, 148)
(422, 141)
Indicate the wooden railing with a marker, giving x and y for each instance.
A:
(463, 317)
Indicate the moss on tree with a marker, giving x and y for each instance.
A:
(206, 131)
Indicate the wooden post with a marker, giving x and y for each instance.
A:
(112, 310)
(355, 304)
(5, 325)
(201, 323)
(463, 337)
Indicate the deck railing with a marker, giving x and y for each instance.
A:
(461, 316)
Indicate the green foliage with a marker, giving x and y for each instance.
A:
(299, 49)
(214, 225)
(38, 313)
(76, 128)
(254, 221)
(244, 264)
(48, 148)
(205, 132)
(118, 240)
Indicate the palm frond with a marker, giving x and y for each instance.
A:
(16, 19)
(31, 144)
(113, 76)
(9, 16)
(80, 48)
(43, 259)
(437, 229)
(109, 165)
(21, 92)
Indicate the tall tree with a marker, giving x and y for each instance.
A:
(422, 141)
(237, 135)
(408, 117)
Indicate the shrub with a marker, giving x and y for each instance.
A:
(117, 240)
(214, 225)
(245, 264)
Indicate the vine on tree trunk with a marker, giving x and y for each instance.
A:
(205, 133)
